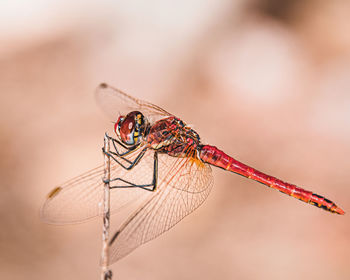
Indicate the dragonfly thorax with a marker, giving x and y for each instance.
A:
(172, 136)
(131, 128)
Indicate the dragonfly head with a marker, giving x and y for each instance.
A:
(131, 128)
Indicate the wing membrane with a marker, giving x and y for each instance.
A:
(115, 102)
(182, 187)
(80, 198)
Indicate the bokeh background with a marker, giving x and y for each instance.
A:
(268, 81)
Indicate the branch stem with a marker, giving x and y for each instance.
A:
(106, 274)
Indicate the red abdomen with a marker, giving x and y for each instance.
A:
(216, 157)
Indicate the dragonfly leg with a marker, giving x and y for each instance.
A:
(128, 149)
(131, 163)
(148, 187)
(117, 153)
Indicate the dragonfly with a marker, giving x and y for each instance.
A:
(158, 162)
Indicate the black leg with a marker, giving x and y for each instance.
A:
(131, 163)
(108, 275)
(148, 187)
(112, 154)
(117, 153)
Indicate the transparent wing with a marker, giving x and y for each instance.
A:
(114, 103)
(81, 198)
(183, 185)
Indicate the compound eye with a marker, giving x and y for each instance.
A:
(117, 125)
(126, 129)
(131, 128)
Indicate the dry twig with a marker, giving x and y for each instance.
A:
(106, 274)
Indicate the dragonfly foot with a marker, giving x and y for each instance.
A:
(106, 181)
(108, 275)
(106, 153)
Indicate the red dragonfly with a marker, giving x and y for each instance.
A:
(159, 161)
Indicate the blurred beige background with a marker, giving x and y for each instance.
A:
(267, 81)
